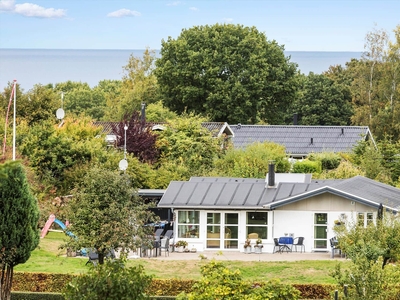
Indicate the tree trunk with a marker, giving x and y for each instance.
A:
(6, 282)
(101, 258)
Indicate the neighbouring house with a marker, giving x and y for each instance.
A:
(300, 141)
(220, 213)
(217, 129)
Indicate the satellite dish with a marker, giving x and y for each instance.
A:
(60, 114)
(123, 164)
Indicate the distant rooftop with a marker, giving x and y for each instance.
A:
(302, 140)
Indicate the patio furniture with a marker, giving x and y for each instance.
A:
(169, 233)
(335, 247)
(299, 242)
(164, 246)
(253, 236)
(279, 247)
(287, 241)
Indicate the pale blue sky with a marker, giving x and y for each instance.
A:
(318, 25)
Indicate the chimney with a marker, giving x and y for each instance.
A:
(295, 119)
(143, 113)
(271, 174)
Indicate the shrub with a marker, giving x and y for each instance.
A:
(329, 160)
(307, 166)
(218, 282)
(112, 280)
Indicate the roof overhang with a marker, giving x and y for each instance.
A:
(151, 193)
(322, 190)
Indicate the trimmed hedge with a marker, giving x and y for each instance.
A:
(51, 284)
(36, 296)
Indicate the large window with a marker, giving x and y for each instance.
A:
(257, 223)
(188, 224)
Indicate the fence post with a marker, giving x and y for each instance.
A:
(345, 290)
(336, 295)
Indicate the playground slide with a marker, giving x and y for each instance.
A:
(47, 226)
(50, 221)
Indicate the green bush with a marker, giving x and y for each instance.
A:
(109, 281)
(329, 160)
(218, 282)
(307, 166)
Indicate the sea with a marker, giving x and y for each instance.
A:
(44, 66)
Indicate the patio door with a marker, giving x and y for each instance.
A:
(222, 230)
(320, 231)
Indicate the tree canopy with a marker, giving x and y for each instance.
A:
(229, 73)
(105, 213)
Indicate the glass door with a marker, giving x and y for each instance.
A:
(231, 231)
(320, 231)
(222, 230)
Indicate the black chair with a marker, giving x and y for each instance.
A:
(93, 258)
(169, 233)
(159, 232)
(280, 247)
(298, 242)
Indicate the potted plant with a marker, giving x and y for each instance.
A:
(181, 245)
(258, 246)
(337, 222)
(247, 246)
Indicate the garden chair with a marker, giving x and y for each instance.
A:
(93, 257)
(164, 246)
(279, 247)
(169, 233)
(299, 242)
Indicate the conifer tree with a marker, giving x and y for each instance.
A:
(19, 215)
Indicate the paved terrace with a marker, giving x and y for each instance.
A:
(234, 255)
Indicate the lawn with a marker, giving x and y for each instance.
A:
(50, 259)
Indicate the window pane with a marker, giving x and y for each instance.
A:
(213, 218)
(320, 218)
(262, 231)
(231, 218)
(260, 218)
(189, 217)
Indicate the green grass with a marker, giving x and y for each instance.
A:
(50, 259)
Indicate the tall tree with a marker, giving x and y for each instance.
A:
(19, 217)
(139, 85)
(226, 72)
(375, 87)
(106, 214)
(323, 102)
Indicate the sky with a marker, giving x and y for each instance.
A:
(318, 25)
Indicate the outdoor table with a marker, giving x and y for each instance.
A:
(287, 241)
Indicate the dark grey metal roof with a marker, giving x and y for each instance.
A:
(302, 140)
(244, 193)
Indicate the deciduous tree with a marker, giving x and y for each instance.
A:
(106, 213)
(226, 72)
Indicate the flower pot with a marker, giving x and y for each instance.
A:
(247, 250)
(257, 249)
(180, 249)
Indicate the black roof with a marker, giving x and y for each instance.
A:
(302, 140)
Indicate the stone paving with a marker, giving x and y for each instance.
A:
(235, 255)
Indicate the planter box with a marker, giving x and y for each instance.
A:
(257, 249)
(247, 250)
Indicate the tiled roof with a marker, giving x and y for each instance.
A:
(302, 140)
